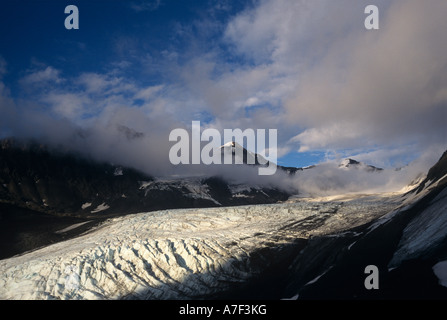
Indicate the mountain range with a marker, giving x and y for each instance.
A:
(408, 246)
(66, 184)
(117, 233)
(41, 190)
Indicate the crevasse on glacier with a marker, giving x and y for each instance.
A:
(178, 254)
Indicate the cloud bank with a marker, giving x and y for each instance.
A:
(307, 68)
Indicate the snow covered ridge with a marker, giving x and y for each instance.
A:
(427, 230)
(192, 187)
(177, 254)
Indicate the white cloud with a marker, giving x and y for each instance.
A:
(95, 83)
(345, 86)
(68, 105)
(148, 93)
(42, 77)
(309, 69)
(335, 136)
(391, 90)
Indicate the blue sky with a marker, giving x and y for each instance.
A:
(111, 32)
(309, 69)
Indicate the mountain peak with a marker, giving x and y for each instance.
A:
(351, 163)
(229, 144)
(348, 162)
(240, 154)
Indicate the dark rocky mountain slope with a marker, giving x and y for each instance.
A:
(43, 190)
(406, 246)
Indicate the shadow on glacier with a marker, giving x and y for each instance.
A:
(263, 274)
(334, 267)
(329, 267)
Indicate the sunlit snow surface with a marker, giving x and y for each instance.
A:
(178, 254)
(428, 229)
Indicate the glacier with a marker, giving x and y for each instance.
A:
(182, 253)
(426, 230)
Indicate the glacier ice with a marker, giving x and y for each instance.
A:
(177, 254)
(429, 228)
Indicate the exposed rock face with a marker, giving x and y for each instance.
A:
(65, 184)
(42, 191)
(408, 245)
(301, 248)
